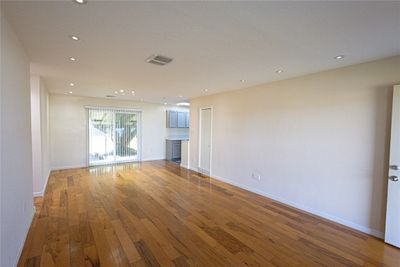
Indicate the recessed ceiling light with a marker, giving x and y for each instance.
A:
(71, 84)
(70, 92)
(81, 2)
(242, 81)
(205, 90)
(279, 71)
(72, 59)
(180, 96)
(74, 37)
(121, 91)
(339, 57)
(115, 92)
(165, 103)
(133, 92)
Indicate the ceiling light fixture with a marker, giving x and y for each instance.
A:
(72, 59)
(74, 37)
(81, 2)
(116, 92)
(279, 71)
(121, 91)
(205, 90)
(70, 92)
(165, 103)
(242, 81)
(185, 104)
(180, 96)
(133, 92)
(339, 57)
(71, 84)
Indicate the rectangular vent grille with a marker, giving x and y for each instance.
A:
(159, 60)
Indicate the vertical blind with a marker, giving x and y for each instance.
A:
(113, 135)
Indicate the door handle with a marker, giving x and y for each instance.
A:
(394, 178)
(395, 167)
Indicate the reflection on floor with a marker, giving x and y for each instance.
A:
(158, 214)
(177, 161)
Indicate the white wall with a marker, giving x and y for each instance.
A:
(39, 124)
(36, 135)
(68, 128)
(319, 142)
(16, 150)
(45, 135)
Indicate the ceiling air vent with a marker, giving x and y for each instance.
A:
(159, 60)
(110, 96)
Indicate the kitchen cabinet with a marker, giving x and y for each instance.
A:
(172, 119)
(173, 149)
(182, 119)
(187, 120)
(177, 119)
(176, 150)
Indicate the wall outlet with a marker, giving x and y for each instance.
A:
(256, 176)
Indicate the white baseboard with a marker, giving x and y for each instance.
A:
(322, 214)
(193, 169)
(152, 159)
(38, 194)
(27, 227)
(184, 166)
(325, 215)
(41, 193)
(68, 167)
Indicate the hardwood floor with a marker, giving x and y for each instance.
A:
(157, 214)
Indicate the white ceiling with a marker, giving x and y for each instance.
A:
(214, 44)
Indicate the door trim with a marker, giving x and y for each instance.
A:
(393, 239)
(211, 138)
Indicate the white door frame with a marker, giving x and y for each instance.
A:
(211, 137)
(392, 231)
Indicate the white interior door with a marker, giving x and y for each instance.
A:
(392, 230)
(205, 140)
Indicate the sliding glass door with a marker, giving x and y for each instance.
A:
(113, 136)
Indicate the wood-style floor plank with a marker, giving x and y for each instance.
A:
(158, 214)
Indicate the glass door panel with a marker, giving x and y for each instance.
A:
(126, 136)
(113, 136)
(101, 137)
